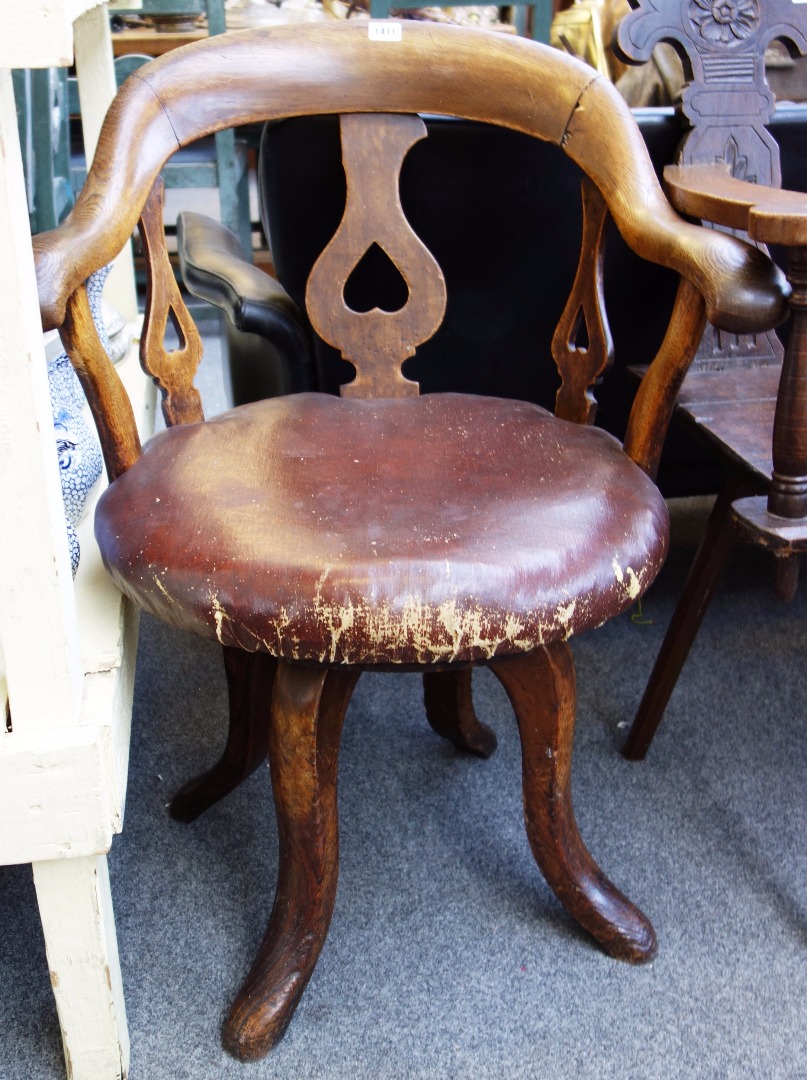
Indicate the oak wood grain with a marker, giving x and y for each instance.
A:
(107, 397)
(308, 709)
(541, 688)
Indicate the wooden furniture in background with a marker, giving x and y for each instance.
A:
(42, 110)
(227, 167)
(384, 530)
(737, 396)
(68, 650)
(150, 42)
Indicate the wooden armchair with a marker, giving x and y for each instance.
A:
(317, 536)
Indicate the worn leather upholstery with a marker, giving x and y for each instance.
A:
(442, 528)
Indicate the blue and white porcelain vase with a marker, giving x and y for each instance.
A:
(80, 460)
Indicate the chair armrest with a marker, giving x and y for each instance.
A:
(743, 291)
(772, 216)
(769, 215)
(215, 269)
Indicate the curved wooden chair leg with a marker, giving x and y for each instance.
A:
(541, 688)
(450, 711)
(249, 687)
(308, 707)
(702, 580)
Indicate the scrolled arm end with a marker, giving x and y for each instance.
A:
(744, 291)
(64, 258)
(53, 279)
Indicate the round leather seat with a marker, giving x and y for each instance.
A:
(413, 530)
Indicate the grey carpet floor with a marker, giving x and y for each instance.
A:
(448, 957)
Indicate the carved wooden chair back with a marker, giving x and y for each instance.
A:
(557, 100)
(316, 537)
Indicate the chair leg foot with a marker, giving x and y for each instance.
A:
(786, 577)
(249, 687)
(450, 711)
(308, 707)
(541, 688)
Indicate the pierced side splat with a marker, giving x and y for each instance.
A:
(109, 402)
(377, 342)
(580, 361)
(172, 370)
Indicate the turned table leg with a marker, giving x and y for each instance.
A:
(308, 708)
(249, 688)
(541, 688)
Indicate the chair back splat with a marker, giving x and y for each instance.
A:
(316, 536)
(373, 150)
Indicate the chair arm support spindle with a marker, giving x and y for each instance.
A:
(655, 399)
(111, 408)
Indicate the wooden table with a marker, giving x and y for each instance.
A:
(68, 650)
(148, 42)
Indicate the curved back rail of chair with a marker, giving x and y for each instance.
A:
(269, 74)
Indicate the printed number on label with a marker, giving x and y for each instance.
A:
(381, 30)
